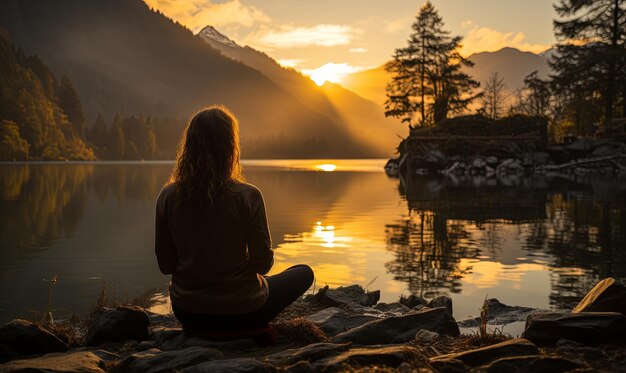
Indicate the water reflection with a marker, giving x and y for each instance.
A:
(537, 241)
(575, 228)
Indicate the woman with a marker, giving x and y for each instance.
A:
(212, 236)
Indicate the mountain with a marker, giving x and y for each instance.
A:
(125, 58)
(365, 120)
(513, 64)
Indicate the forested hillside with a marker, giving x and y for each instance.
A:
(41, 118)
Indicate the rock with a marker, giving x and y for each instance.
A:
(426, 336)
(492, 161)
(157, 319)
(606, 296)
(106, 356)
(392, 168)
(385, 356)
(21, 337)
(168, 339)
(413, 301)
(118, 324)
(449, 366)
(484, 355)
(541, 158)
(335, 320)
(348, 294)
(240, 365)
(500, 314)
(155, 361)
(441, 301)
(400, 329)
(75, 362)
(310, 353)
(531, 364)
(589, 328)
(395, 309)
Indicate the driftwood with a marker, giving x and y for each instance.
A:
(579, 162)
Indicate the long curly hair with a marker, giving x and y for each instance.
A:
(208, 156)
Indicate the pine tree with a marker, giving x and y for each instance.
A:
(117, 140)
(591, 55)
(426, 75)
(99, 133)
(538, 95)
(72, 106)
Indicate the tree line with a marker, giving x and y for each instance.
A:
(42, 118)
(584, 95)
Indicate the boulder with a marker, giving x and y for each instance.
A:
(335, 320)
(441, 301)
(606, 296)
(484, 355)
(155, 361)
(395, 308)
(21, 337)
(531, 364)
(346, 295)
(75, 362)
(310, 353)
(239, 365)
(500, 314)
(385, 356)
(589, 328)
(413, 301)
(117, 325)
(168, 339)
(426, 336)
(400, 329)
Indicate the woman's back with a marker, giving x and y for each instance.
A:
(220, 250)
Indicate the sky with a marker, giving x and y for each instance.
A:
(335, 37)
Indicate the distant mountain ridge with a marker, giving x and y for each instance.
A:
(512, 64)
(126, 58)
(365, 120)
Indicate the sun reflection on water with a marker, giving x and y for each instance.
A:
(328, 167)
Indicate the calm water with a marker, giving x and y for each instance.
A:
(537, 242)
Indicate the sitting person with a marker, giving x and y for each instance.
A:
(212, 236)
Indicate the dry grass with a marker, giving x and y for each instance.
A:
(300, 331)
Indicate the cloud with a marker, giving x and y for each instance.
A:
(196, 14)
(401, 24)
(358, 50)
(289, 36)
(484, 39)
(287, 62)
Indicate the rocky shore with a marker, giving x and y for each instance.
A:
(343, 329)
(502, 159)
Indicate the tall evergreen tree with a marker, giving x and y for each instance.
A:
(538, 95)
(99, 133)
(117, 140)
(591, 55)
(426, 77)
(72, 106)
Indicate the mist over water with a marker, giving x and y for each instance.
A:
(540, 242)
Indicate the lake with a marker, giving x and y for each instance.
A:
(533, 241)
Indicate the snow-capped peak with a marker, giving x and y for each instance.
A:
(209, 33)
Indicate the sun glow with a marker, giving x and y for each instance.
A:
(330, 72)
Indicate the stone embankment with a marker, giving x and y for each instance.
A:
(583, 157)
(343, 329)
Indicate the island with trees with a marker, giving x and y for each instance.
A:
(574, 121)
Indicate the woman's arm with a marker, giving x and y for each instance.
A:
(260, 253)
(164, 246)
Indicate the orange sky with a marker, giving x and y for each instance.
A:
(344, 36)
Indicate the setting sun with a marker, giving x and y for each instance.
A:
(330, 72)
